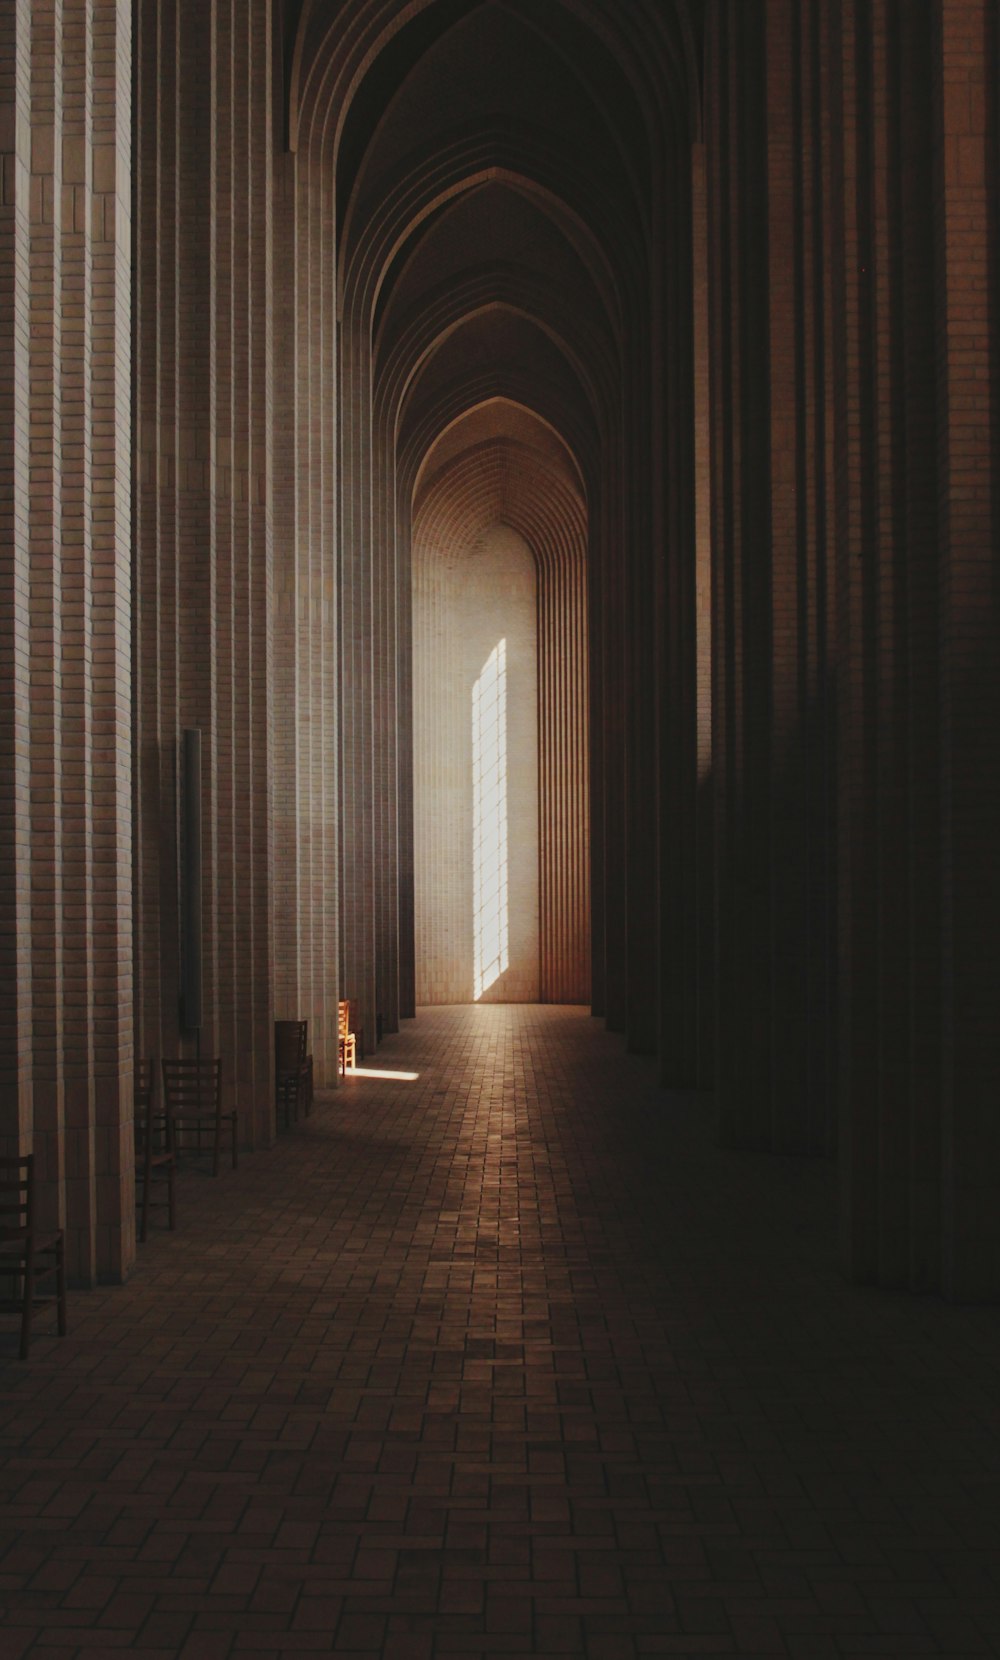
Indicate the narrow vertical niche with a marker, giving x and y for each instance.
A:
(476, 772)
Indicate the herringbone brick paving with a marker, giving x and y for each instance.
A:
(510, 1359)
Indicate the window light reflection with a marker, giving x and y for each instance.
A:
(489, 821)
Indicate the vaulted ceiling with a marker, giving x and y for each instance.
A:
(496, 167)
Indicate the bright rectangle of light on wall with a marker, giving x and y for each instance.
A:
(489, 821)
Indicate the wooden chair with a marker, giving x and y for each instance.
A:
(293, 1069)
(347, 1043)
(28, 1253)
(192, 1101)
(154, 1149)
(309, 1085)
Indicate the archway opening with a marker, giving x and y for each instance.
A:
(500, 783)
(476, 785)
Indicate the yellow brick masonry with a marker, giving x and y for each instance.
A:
(66, 319)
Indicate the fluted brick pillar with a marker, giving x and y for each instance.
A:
(204, 638)
(67, 199)
(640, 574)
(60, 852)
(362, 669)
(306, 903)
(606, 611)
(742, 733)
(702, 1065)
(681, 519)
(768, 143)
(16, 1002)
(890, 875)
(968, 346)
(854, 361)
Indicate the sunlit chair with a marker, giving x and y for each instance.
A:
(154, 1148)
(347, 1043)
(28, 1253)
(293, 1069)
(192, 1100)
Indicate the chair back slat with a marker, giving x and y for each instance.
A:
(192, 1086)
(142, 1098)
(33, 1256)
(192, 1102)
(17, 1190)
(292, 1069)
(347, 1043)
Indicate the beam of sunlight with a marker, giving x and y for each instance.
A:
(489, 821)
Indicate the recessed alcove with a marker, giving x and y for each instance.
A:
(501, 809)
(475, 796)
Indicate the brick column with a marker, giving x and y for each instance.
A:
(913, 54)
(110, 211)
(359, 663)
(741, 707)
(683, 646)
(703, 1070)
(85, 1153)
(891, 877)
(15, 655)
(798, 943)
(61, 1002)
(306, 831)
(69, 279)
(241, 533)
(204, 638)
(642, 577)
(967, 342)
(772, 751)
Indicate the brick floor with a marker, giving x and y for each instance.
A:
(509, 1359)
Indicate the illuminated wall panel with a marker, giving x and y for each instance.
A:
(476, 772)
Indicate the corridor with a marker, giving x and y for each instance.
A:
(506, 1357)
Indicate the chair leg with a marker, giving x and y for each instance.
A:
(171, 1198)
(217, 1145)
(28, 1304)
(61, 1285)
(147, 1178)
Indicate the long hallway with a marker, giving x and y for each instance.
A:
(502, 1354)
